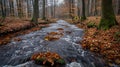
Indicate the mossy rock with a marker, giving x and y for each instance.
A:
(56, 62)
(60, 61)
(47, 59)
(39, 61)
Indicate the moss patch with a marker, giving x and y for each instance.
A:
(107, 23)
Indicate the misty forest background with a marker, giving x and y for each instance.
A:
(53, 8)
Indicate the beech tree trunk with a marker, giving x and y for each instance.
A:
(3, 8)
(108, 17)
(44, 11)
(35, 12)
(83, 17)
(78, 7)
(119, 7)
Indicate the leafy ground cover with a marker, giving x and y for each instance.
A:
(12, 27)
(101, 42)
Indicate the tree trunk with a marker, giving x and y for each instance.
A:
(73, 8)
(46, 9)
(70, 8)
(51, 8)
(44, 13)
(108, 17)
(11, 8)
(19, 7)
(88, 2)
(3, 9)
(35, 12)
(83, 17)
(78, 7)
(90, 7)
(54, 8)
(119, 8)
(96, 7)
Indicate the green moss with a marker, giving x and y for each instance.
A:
(60, 61)
(1, 24)
(91, 25)
(39, 60)
(107, 23)
(76, 18)
(34, 21)
(83, 18)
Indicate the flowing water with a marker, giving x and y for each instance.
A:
(17, 53)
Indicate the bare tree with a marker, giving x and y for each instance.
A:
(108, 17)
(83, 10)
(44, 10)
(35, 12)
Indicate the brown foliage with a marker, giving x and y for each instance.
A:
(12, 24)
(13, 27)
(102, 42)
(47, 56)
(53, 36)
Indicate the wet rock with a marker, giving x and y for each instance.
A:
(74, 64)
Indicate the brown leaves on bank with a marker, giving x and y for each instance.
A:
(105, 43)
(5, 39)
(12, 27)
(14, 24)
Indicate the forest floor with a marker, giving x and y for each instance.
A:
(12, 27)
(101, 42)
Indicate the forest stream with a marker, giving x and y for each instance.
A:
(17, 53)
